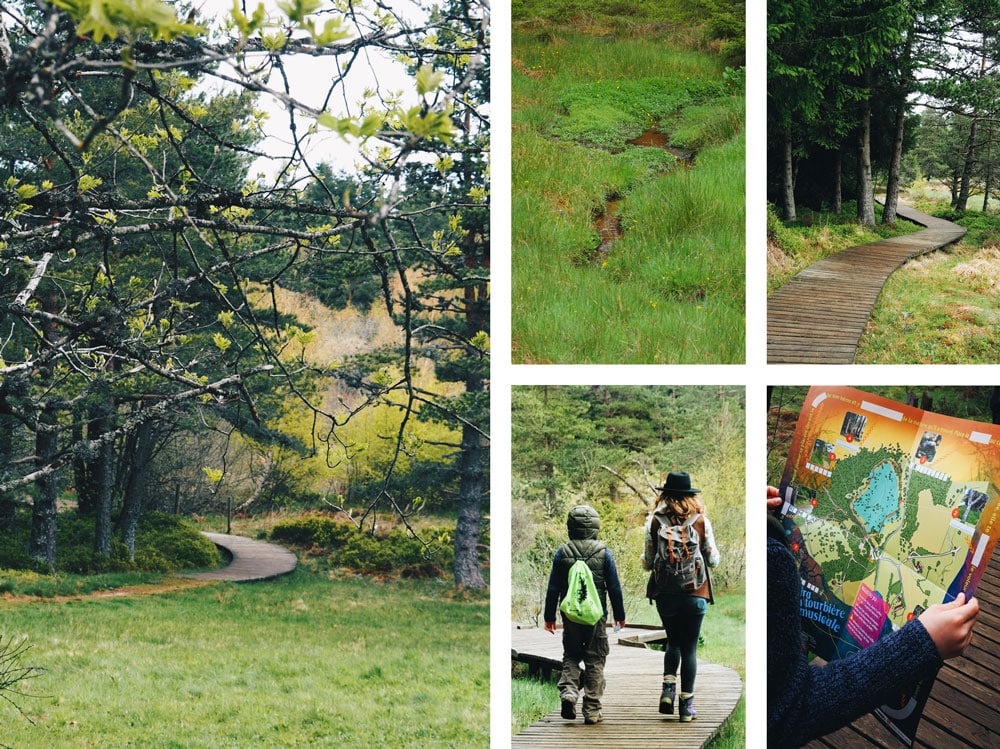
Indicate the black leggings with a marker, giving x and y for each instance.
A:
(681, 616)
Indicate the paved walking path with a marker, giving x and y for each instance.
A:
(818, 317)
(631, 718)
(251, 560)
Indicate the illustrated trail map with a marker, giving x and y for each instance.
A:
(889, 509)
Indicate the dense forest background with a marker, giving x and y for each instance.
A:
(881, 91)
(609, 447)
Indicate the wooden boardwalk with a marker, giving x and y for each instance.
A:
(251, 560)
(963, 709)
(819, 316)
(631, 699)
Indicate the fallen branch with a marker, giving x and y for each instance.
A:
(627, 483)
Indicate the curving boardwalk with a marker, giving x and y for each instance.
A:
(818, 317)
(251, 560)
(631, 698)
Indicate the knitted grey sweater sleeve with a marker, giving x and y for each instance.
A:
(803, 701)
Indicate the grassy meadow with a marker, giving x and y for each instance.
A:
(724, 634)
(307, 660)
(941, 308)
(671, 289)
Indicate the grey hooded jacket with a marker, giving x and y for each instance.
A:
(582, 525)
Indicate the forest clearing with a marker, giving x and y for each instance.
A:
(235, 297)
(284, 663)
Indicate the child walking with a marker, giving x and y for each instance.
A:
(586, 644)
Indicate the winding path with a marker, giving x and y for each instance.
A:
(631, 718)
(250, 560)
(819, 316)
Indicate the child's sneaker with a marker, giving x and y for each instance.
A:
(592, 719)
(568, 710)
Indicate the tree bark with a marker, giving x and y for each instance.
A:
(838, 183)
(965, 184)
(42, 546)
(892, 183)
(44, 513)
(105, 487)
(134, 500)
(788, 180)
(7, 423)
(866, 197)
(470, 494)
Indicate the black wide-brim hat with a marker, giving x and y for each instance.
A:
(678, 482)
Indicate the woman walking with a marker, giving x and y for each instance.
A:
(679, 548)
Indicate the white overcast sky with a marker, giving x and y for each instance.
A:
(309, 79)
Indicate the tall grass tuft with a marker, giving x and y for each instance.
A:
(672, 289)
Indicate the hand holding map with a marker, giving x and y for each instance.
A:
(891, 514)
(950, 625)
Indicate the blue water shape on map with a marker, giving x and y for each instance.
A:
(881, 500)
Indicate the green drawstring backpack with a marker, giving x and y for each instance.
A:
(581, 603)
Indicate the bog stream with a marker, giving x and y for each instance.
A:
(607, 221)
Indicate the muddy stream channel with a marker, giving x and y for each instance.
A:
(607, 222)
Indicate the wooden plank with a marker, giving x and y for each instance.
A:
(831, 301)
(631, 699)
(250, 560)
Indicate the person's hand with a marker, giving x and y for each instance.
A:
(550, 627)
(773, 499)
(620, 624)
(950, 625)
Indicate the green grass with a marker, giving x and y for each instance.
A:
(816, 235)
(303, 661)
(672, 289)
(724, 634)
(937, 309)
(531, 699)
(23, 583)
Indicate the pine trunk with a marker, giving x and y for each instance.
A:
(470, 494)
(42, 545)
(838, 183)
(892, 184)
(965, 184)
(7, 506)
(788, 181)
(866, 196)
(134, 500)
